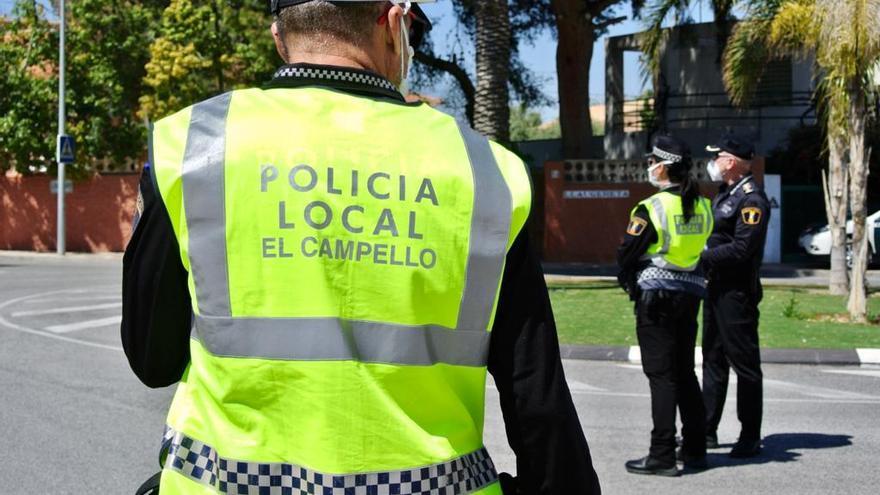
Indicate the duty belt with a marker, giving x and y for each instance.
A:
(201, 463)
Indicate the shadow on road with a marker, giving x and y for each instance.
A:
(779, 447)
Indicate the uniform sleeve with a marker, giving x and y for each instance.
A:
(640, 234)
(749, 235)
(542, 425)
(156, 307)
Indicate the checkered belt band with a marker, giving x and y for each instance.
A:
(655, 273)
(201, 463)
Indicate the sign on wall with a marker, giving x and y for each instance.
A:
(773, 246)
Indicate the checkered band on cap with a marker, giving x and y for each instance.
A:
(335, 75)
(672, 157)
(201, 463)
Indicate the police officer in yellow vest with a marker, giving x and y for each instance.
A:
(659, 267)
(329, 271)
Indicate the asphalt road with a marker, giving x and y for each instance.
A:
(74, 419)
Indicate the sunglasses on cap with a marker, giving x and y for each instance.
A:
(418, 23)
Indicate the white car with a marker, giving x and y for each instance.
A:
(817, 240)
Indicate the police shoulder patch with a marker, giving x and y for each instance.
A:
(752, 215)
(636, 226)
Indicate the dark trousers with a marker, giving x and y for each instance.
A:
(667, 331)
(730, 338)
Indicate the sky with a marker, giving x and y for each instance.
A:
(540, 56)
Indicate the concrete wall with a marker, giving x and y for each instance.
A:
(99, 213)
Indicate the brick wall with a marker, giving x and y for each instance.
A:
(99, 213)
(585, 222)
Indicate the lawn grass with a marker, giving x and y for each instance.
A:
(601, 314)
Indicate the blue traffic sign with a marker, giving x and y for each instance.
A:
(65, 152)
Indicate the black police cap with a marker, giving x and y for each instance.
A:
(420, 27)
(735, 145)
(668, 148)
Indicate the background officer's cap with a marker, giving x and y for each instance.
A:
(421, 24)
(669, 149)
(735, 145)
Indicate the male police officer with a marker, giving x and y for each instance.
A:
(730, 317)
(319, 264)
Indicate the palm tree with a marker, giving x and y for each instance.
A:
(844, 36)
(493, 47)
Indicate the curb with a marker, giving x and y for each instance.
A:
(632, 354)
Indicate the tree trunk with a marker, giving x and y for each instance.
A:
(858, 195)
(835, 208)
(574, 52)
(492, 108)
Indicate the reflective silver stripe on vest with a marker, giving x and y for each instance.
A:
(657, 259)
(204, 199)
(332, 338)
(202, 464)
(488, 236)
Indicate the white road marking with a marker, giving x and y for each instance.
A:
(108, 297)
(637, 367)
(33, 331)
(820, 392)
(85, 325)
(577, 386)
(69, 309)
(872, 373)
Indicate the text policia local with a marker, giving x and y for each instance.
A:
(354, 218)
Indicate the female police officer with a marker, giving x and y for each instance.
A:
(659, 263)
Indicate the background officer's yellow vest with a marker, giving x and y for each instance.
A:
(679, 242)
(345, 256)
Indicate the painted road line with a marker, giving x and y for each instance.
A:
(869, 356)
(820, 392)
(85, 325)
(872, 373)
(576, 386)
(69, 309)
(108, 297)
(42, 333)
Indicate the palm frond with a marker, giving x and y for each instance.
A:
(796, 28)
(744, 59)
(653, 39)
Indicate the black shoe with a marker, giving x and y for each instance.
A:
(745, 448)
(711, 440)
(647, 465)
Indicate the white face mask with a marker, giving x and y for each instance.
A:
(714, 173)
(407, 52)
(654, 180)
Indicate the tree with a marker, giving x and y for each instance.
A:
(495, 28)
(526, 125)
(844, 36)
(579, 23)
(204, 49)
(28, 86)
(106, 49)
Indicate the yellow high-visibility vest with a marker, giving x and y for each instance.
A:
(679, 241)
(345, 256)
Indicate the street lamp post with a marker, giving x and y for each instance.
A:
(61, 117)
